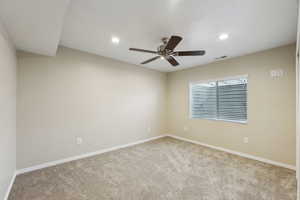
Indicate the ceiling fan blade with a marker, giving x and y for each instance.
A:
(189, 53)
(142, 50)
(172, 61)
(173, 42)
(150, 60)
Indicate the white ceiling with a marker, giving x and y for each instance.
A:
(252, 25)
(34, 25)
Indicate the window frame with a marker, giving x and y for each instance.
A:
(191, 83)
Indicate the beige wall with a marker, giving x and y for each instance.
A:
(7, 112)
(77, 94)
(109, 103)
(271, 106)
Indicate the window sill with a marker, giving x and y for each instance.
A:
(222, 120)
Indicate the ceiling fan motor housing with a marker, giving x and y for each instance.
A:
(162, 51)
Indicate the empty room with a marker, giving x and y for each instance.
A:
(149, 100)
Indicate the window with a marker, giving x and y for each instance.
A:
(220, 100)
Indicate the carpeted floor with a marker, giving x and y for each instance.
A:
(162, 169)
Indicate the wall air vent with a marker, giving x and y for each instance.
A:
(221, 57)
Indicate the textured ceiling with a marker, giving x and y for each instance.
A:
(88, 25)
(34, 25)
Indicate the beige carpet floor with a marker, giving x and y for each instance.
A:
(159, 170)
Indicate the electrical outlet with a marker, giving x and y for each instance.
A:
(79, 140)
(185, 128)
(246, 140)
(149, 129)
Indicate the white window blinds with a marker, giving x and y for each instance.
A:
(204, 100)
(220, 100)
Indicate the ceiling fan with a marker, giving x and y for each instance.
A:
(166, 51)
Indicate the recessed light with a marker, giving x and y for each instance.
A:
(115, 40)
(223, 36)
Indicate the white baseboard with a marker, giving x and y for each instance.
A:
(57, 162)
(236, 153)
(10, 186)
